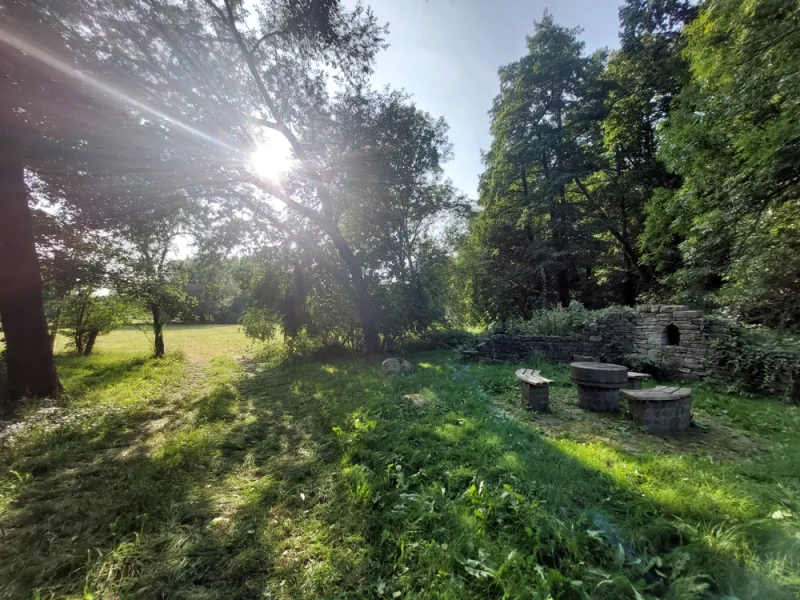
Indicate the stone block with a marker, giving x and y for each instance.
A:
(687, 314)
(671, 308)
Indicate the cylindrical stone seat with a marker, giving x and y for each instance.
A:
(661, 410)
(598, 385)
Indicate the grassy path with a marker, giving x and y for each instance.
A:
(204, 476)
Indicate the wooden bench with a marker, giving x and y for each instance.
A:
(535, 389)
(635, 380)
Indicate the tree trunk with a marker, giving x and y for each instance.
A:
(29, 356)
(90, 340)
(563, 288)
(56, 324)
(158, 331)
(362, 299)
(79, 342)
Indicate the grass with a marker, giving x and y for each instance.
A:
(205, 476)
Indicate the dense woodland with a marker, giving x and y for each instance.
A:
(665, 170)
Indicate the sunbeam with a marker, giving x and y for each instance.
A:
(62, 66)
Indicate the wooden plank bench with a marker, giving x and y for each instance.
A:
(535, 389)
(635, 380)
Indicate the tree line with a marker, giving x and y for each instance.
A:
(665, 169)
(129, 126)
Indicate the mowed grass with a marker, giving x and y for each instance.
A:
(202, 476)
(197, 341)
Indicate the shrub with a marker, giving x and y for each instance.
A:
(562, 321)
(758, 363)
(434, 339)
(660, 368)
(87, 315)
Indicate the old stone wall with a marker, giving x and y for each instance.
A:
(609, 339)
(673, 335)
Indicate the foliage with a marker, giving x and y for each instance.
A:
(733, 137)
(561, 321)
(248, 474)
(212, 290)
(662, 368)
(87, 315)
(757, 363)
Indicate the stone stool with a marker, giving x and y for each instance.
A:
(598, 385)
(661, 410)
(635, 380)
(535, 389)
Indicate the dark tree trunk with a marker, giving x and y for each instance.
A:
(56, 325)
(563, 288)
(158, 331)
(79, 343)
(362, 298)
(29, 356)
(90, 340)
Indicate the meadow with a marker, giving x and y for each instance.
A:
(225, 471)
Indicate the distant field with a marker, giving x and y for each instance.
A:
(200, 342)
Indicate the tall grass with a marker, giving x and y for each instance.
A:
(562, 321)
(246, 479)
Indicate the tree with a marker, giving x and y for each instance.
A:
(29, 356)
(145, 273)
(734, 138)
(642, 79)
(88, 315)
(535, 159)
(180, 55)
(211, 286)
(383, 157)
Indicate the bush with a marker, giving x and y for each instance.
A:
(435, 339)
(758, 363)
(660, 368)
(562, 321)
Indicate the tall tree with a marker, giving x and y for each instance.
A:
(29, 355)
(537, 154)
(173, 66)
(642, 79)
(734, 137)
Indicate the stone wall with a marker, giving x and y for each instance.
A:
(673, 335)
(609, 339)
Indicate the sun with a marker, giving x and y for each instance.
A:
(272, 157)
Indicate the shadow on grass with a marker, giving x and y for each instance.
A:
(99, 370)
(321, 481)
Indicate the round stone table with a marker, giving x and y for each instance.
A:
(598, 385)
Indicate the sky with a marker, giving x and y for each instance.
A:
(446, 53)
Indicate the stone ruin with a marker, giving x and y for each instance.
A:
(673, 335)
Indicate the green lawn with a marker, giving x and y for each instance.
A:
(218, 473)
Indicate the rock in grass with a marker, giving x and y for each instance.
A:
(416, 399)
(395, 366)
